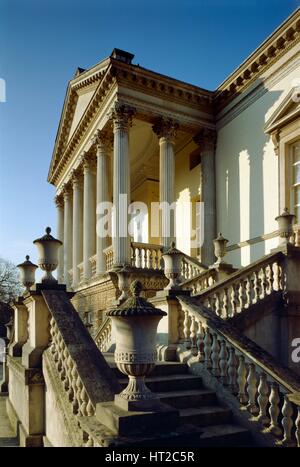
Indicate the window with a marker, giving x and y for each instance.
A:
(295, 179)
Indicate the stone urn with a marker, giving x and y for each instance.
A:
(285, 226)
(27, 273)
(48, 255)
(135, 323)
(220, 244)
(173, 262)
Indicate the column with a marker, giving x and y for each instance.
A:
(166, 132)
(68, 232)
(103, 144)
(77, 225)
(206, 139)
(122, 119)
(59, 201)
(89, 214)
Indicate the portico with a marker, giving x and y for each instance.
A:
(127, 148)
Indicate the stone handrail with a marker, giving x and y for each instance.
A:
(83, 371)
(103, 337)
(245, 287)
(268, 390)
(146, 255)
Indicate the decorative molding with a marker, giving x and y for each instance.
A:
(103, 140)
(282, 40)
(59, 200)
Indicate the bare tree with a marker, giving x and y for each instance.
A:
(10, 286)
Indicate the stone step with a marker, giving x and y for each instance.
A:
(161, 369)
(188, 398)
(225, 435)
(170, 382)
(7, 436)
(206, 415)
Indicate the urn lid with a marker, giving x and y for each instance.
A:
(47, 237)
(136, 305)
(172, 250)
(220, 238)
(27, 262)
(286, 214)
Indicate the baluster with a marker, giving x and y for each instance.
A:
(233, 300)
(215, 355)
(150, 258)
(89, 408)
(287, 423)
(252, 390)
(256, 287)
(248, 291)
(232, 372)
(218, 304)
(297, 425)
(223, 362)
(133, 256)
(224, 312)
(207, 348)
(200, 341)
(193, 336)
(69, 374)
(145, 258)
(186, 329)
(274, 410)
(84, 402)
(264, 283)
(181, 316)
(242, 380)
(75, 402)
(263, 399)
(140, 257)
(270, 278)
(89, 443)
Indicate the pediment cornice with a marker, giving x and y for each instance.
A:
(287, 111)
(271, 50)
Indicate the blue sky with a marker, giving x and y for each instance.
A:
(43, 42)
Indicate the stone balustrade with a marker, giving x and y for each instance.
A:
(201, 282)
(245, 287)
(69, 374)
(190, 268)
(146, 255)
(268, 391)
(103, 337)
(109, 257)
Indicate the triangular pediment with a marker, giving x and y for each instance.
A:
(287, 111)
(79, 94)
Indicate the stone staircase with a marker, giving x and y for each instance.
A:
(7, 436)
(198, 406)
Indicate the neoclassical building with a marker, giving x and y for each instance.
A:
(126, 130)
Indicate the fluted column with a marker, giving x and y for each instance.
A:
(166, 132)
(59, 201)
(206, 139)
(103, 145)
(77, 225)
(122, 118)
(68, 232)
(89, 214)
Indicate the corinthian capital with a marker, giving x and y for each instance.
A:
(103, 141)
(67, 191)
(122, 115)
(166, 128)
(206, 139)
(59, 200)
(76, 177)
(87, 160)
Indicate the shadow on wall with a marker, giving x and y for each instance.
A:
(242, 173)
